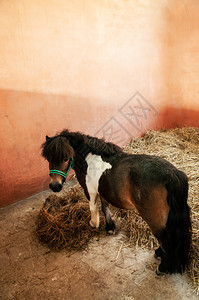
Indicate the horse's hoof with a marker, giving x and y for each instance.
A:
(157, 257)
(93, 225)
(110, 228)
(110, 232)
(161, 271)
(160, 274)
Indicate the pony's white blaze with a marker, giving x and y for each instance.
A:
(95, 169)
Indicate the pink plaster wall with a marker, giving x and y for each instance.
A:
(74, 64)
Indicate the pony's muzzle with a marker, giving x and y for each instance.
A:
(55, 187)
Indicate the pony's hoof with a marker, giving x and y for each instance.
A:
(92, 224)
(111, 232)
(157, 257)
(110, 228)
(159, 273)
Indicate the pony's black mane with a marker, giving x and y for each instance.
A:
(63, 145)
(94, 144)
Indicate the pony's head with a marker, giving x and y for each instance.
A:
(58, 152)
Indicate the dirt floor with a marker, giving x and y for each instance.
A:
(30, 270)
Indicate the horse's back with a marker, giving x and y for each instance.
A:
(135, 173)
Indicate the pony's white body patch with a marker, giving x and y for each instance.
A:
(95, 169)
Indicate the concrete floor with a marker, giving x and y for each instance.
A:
(105, 270)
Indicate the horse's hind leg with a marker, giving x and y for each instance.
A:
(162, 269)
(161, 255)
(110, 225)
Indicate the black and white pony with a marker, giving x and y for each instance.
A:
(154, 186)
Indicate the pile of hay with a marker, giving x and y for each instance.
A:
(64, 222)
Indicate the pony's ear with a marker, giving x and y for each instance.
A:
(47, 137)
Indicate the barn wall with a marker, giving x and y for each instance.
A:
(93, 66)
(181, 62)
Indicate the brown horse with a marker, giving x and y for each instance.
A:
(150, 183)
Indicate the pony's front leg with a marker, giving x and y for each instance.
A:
(95, 220)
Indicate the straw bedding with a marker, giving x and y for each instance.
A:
(64, 221)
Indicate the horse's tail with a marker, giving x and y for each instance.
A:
(176, 237)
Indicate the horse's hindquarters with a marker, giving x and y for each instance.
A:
(154, 209)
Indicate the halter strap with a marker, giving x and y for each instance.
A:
(58, 172)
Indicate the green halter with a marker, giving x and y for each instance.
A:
(62, 173)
